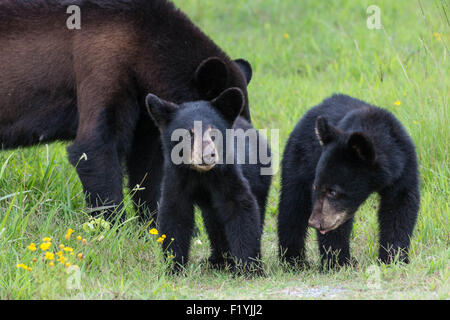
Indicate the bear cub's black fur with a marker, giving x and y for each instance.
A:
(232, 197)
(339, 153)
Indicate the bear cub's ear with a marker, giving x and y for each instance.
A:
(161, 111)
(361, 147)
(325, 132)
(230, 104)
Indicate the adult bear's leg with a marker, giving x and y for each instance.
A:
(145, 168)
(105, 127)
(98, 166)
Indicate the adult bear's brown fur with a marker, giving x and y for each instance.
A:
(89, 85)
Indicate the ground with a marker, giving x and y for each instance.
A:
(301, 52)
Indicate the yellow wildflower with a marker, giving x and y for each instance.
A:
(49, 256)
(160, 240)
(286, 35)
(80, 256)
(84, 241)
(32, 246)
(415, 122)
(47, 239)
(51, 264)
(68, 249)
(23, 266)
(61, 246)
(59, 253)
(153, 231)
(69, 233)
(78, 238)
(397, 103)
(68, 264)
(171, 256)
(437, 36)
(45, 246)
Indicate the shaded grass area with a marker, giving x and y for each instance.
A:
(301, 53)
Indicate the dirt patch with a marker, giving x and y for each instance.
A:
(326, 292)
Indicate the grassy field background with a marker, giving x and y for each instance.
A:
(301, 52)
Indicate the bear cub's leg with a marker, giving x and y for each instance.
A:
(334, 246)
(397, 216)
(220, 251)
(240, 217)
(176, 225)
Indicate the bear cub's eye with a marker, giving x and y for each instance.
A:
(332, 193)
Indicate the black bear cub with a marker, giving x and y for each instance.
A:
(339, 153)
(199, 169)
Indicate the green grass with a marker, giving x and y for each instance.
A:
(327, 48)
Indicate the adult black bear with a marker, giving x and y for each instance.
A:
(338, 154)
(231, 196)
(89, 85)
